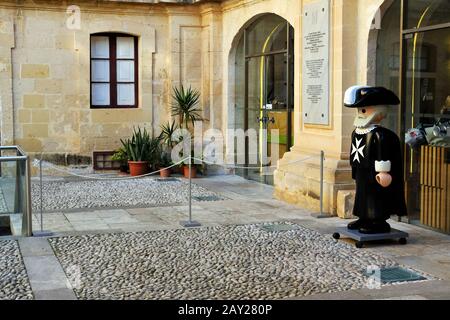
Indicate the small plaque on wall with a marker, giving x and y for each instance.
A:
(315, 68)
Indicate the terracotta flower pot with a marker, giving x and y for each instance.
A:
(138, 168)
(164, 173)
(193, 172)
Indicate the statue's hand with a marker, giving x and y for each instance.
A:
(384, 179)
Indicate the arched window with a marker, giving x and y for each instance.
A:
(114, 70)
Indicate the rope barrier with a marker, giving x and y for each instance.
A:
(48, 165)
(52, 166)
(188, 223)
(242, 167)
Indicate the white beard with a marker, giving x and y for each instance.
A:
(365, 122)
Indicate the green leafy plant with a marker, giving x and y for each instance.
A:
(120, 155)
(138, 147)
(167, 132)
(185, 105)
(165, 160)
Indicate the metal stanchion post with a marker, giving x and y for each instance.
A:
(322, 155)
(41, 233)
(190, 223)
(40, 195)
(321, 214)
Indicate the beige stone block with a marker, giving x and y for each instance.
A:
(33, 101)
(29, 144)
(6, 40)
(48, 86)
(35, 130)
(61, 71)
(107, 115)
(121, 115)
(54, 101)
(64, 42)
(345, 202)
(40, 116)
(24, 85)
(6, 26)
(34, 71)
(38, 41)
(146, 87)
(191, 60)
(71, 100)
(5, 69)
(84, 116)
(24, 116)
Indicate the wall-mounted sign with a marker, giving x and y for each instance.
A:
(316, 75)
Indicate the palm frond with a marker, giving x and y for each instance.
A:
(185, 105)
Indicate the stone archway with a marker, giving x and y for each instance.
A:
(260, 74)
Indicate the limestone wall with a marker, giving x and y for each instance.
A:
(45, 71)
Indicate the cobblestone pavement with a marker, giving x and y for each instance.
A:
(224, 262)
(86, 194)
(245, 205)
(3, 207)
(14, 284)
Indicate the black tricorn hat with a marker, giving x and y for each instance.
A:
(364, 96)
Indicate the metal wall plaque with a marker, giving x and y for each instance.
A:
(315, 70)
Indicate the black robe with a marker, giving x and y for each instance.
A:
(372, 201)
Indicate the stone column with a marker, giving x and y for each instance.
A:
(212, 63)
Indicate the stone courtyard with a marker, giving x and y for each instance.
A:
(144, 253)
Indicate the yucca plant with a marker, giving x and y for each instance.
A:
(138, 147)
(167, 132)
(185, 105)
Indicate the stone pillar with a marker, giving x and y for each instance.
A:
(212, 63)
(6, 89)
(299, 183)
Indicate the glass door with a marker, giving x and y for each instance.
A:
(427, 100)
(264, 94)
(268, 115)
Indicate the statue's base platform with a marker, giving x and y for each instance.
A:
(361, 238)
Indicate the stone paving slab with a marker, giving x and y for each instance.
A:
(224, 262)
(46, 276)
(45, 273)
(55, 294)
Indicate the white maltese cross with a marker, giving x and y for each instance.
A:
(357, 150)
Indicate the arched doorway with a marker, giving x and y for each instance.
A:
(264, 83)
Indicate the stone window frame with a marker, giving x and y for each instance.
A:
(113, 70)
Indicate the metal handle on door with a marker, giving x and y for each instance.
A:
(265, 119)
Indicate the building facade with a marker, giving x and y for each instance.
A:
(76, 77)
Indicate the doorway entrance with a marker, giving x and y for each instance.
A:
(426, 96)
(264, 94)
(418, 69)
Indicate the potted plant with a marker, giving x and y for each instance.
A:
(121, 156)
(167, 132)
(138, 149)
(166, 136)
(195, 167)
(185, 106)
(164, 163)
